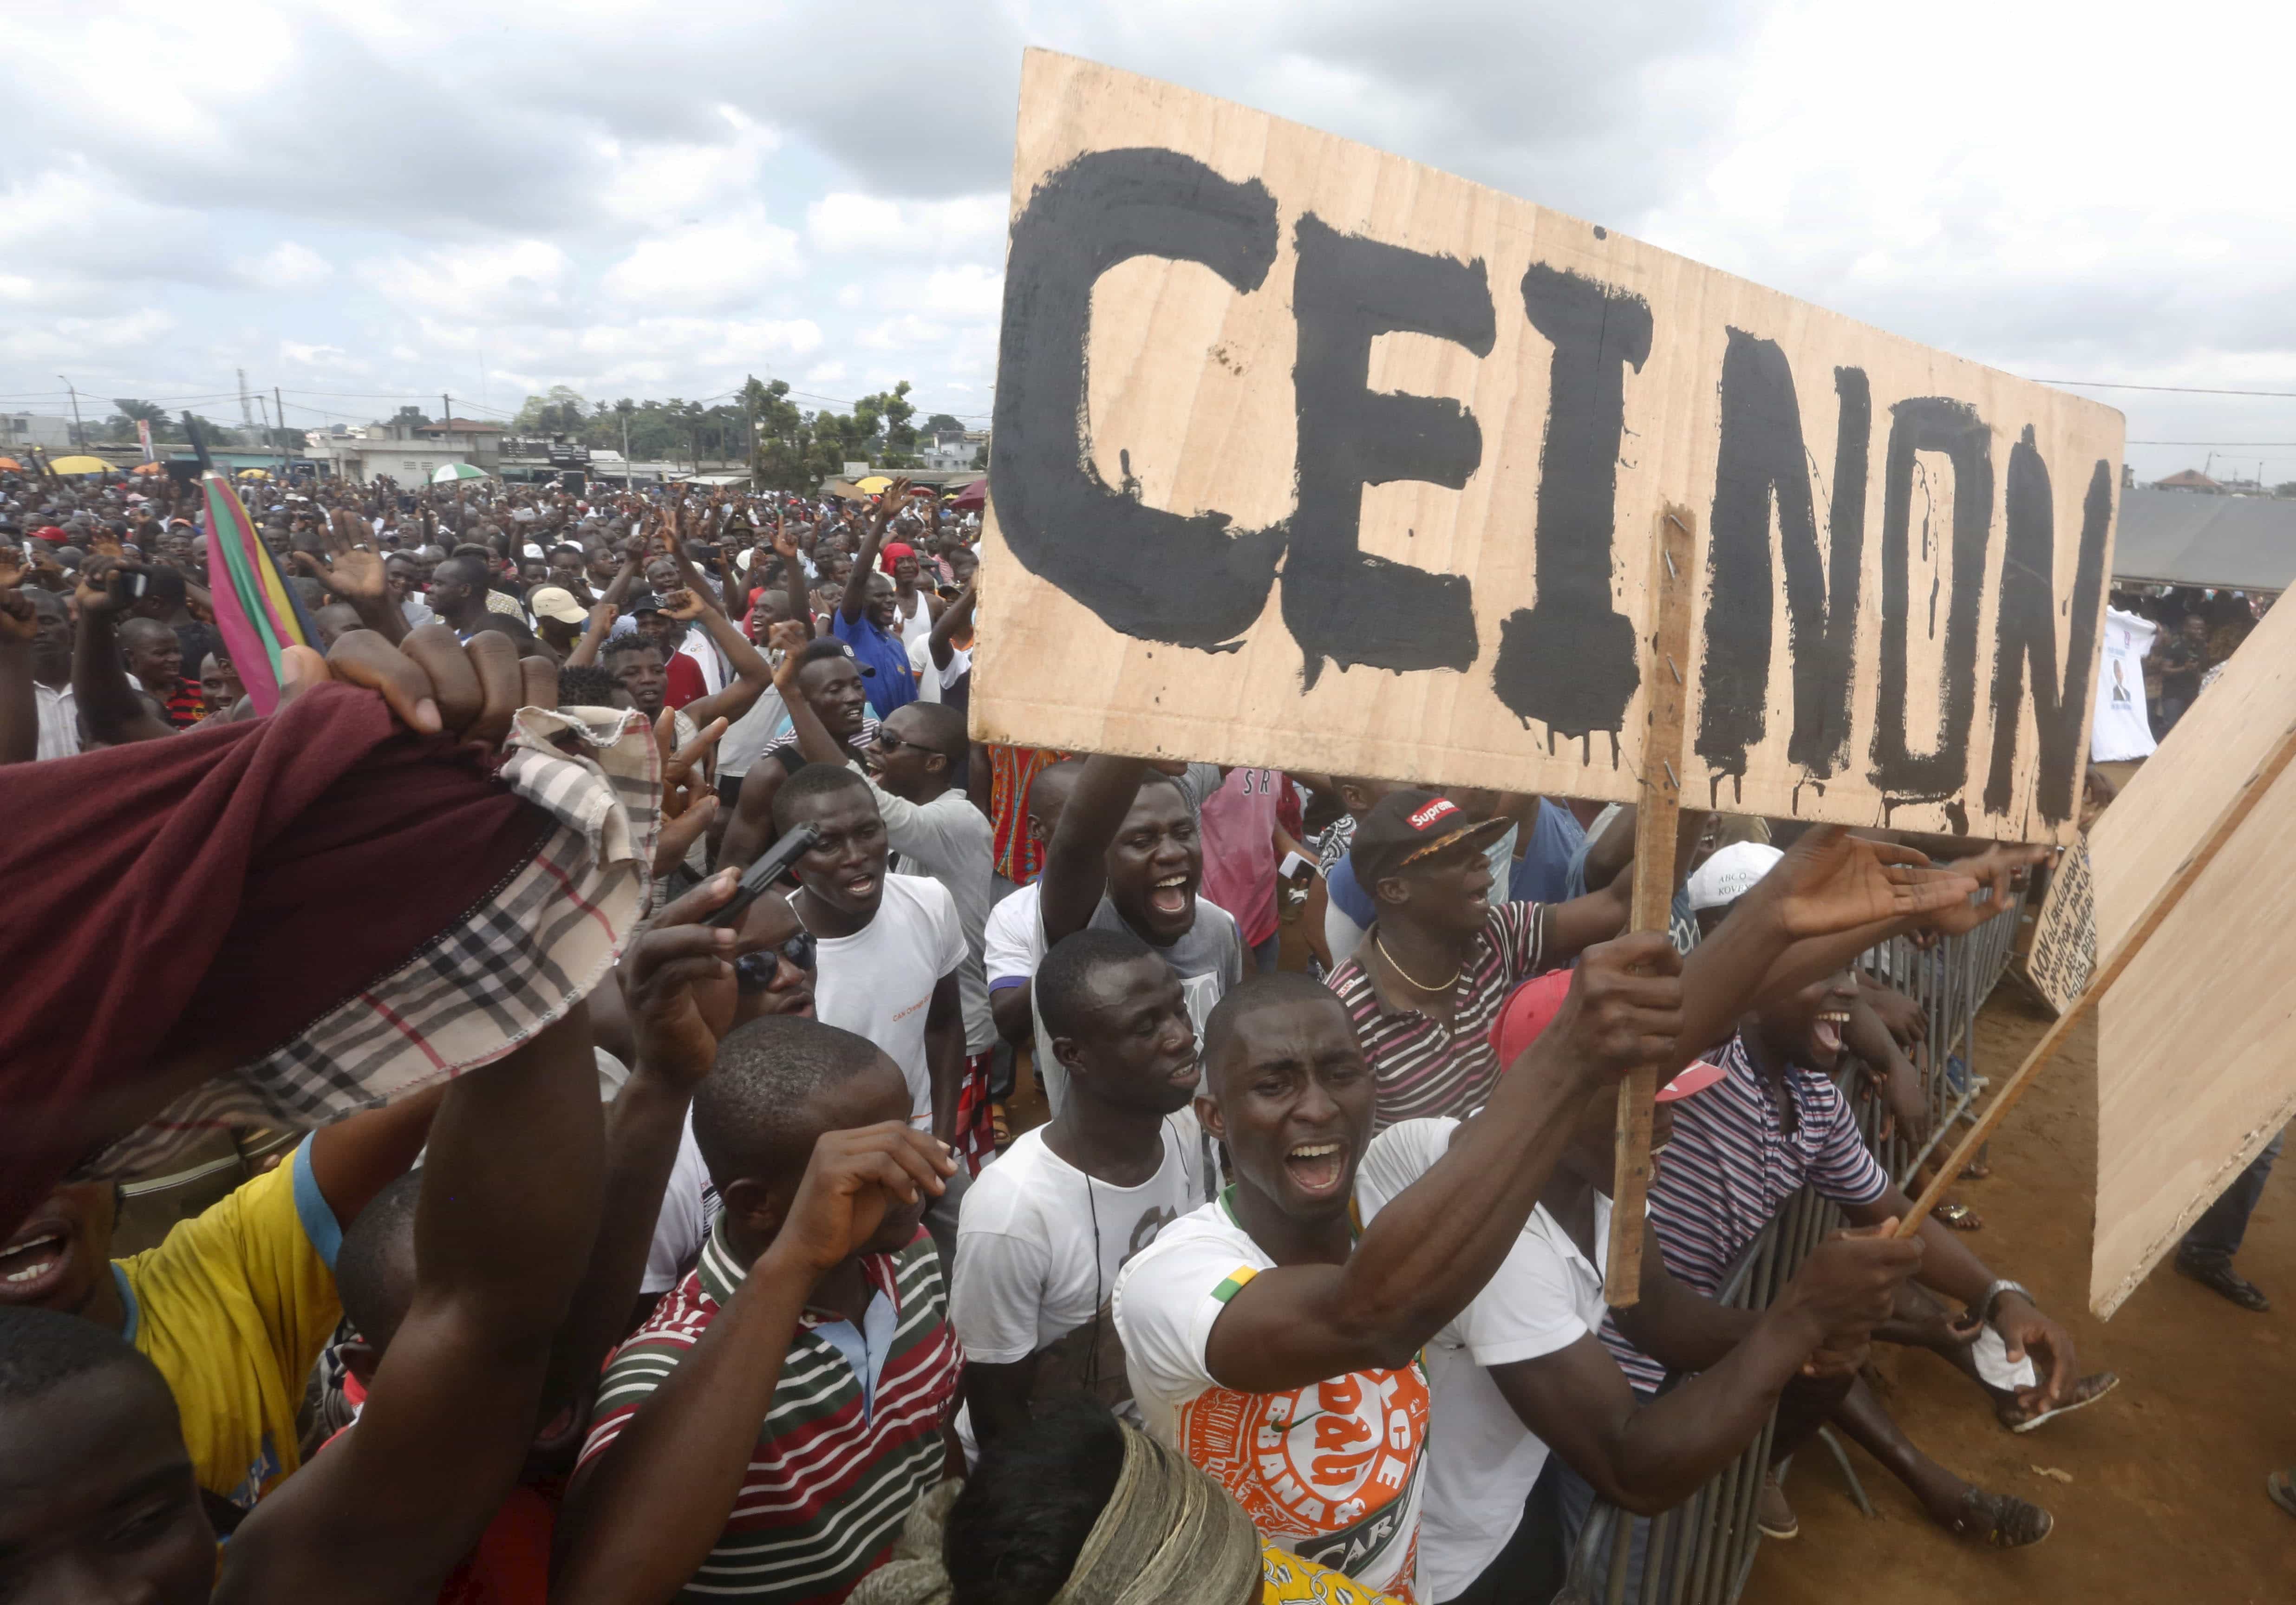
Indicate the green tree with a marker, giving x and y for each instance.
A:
(944, 423)
(980, 457)
(558, 413)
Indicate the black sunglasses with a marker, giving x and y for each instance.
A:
(893, 743)
(755, 971)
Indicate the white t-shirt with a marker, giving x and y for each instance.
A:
(1012, 944)
(766, 721)
(2121, 730)
(931, 679)
(1481, 1459)
(878, 982)
(1039, 1243)
(951, 841)
(1334, 1471)
(689, 1208)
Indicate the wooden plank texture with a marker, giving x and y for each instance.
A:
(1657, 818)
(1308, 455)
(2196, 1038)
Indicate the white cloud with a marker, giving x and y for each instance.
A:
(719, 266)
(845, 224)
(679, 182)
(285, 268)
(513, 280)
(968, 291)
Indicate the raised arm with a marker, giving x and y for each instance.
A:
(752, 673)
(19, 704)
(954, 619)
(865, 561)
(353, 572)
(1438, 1240)
(594, 634)
(114, 713)
(657, 979)
(509, 1205)
(1649, 1456)
(639, 1518)
(1076, 859)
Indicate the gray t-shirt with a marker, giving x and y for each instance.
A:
(1208, 958)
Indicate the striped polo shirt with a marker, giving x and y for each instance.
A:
(853, 1438)
(1729, 1166)
(1421, 1067)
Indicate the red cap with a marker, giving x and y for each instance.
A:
(1538, 1001)
(51, 534)
(894, 550)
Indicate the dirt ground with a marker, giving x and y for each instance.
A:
(2166, 1498)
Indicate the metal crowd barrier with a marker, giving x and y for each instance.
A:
(1701, 1551)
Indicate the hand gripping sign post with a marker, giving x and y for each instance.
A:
(1310, 456)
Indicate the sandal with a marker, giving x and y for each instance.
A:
(2280, 1487)
(1773, 1514)
(2000, 1520)
(1961, 1217)
(2086, 1392)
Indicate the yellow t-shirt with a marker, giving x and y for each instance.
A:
(233, 1307)
(1286, 1578)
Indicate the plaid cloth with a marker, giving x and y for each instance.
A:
(529, 948)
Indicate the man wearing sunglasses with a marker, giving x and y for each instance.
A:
(910, 764)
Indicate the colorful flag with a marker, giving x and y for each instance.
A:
(256, 611)
(144, 434)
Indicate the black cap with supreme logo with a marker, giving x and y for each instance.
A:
(1406, 827)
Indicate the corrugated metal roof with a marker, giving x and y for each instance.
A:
(2187, 538)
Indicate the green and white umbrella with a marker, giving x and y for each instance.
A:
(457, 471)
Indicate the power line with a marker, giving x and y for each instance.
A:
(2220, 445)
(2181, 389)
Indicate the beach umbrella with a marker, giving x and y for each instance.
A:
(149, 468)
(254, 473)
(453, 471)
(872, 485)
(9, 466)
(975, 495)
(81, 466)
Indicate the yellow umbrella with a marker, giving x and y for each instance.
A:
(871, 485)
(254, 473)
(81, 466)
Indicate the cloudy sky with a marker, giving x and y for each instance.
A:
(377, 201)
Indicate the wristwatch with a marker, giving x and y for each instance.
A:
(1993, 1296)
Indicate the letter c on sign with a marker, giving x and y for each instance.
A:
(1146, 572)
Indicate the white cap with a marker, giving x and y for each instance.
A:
(1727, 876)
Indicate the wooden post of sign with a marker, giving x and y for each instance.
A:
(2252, 792)
(1665, 679)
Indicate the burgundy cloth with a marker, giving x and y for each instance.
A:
(216, 892)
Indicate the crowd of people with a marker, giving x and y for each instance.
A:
(667, 983)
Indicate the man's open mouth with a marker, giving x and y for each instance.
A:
(1168, 896)
(1826, 1030)
(1317, 1167)
(32, 1266)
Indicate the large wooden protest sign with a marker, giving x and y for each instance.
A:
(2196, 1037)
(1308, 455)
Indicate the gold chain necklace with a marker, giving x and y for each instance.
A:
(1381, 942)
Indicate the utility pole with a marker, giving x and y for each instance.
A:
(283, 430)
(80, 432)
(246, 408)
(629, 480)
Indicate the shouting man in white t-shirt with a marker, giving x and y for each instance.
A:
(889, 947)
(1046, 1228)
(1279, 1350)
